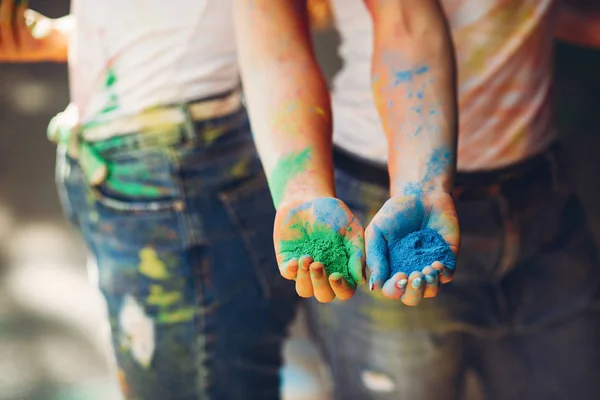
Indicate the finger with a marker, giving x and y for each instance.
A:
(323, 292)
(289, 269)
(377, 261)
(355, 246)
(341, 287)
(356, 268)
(7, 23)
(7, 18)
(22, 34)
(414, 289)
(304, 286)
(432, 282)
(395, 287)
(283, 259)
(446, 272)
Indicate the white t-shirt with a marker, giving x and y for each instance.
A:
(128, 55)
(504, 57)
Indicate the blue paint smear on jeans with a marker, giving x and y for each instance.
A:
(420, 249)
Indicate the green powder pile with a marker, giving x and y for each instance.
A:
(324, 246)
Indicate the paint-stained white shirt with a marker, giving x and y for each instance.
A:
(128, 55)
(504, 57)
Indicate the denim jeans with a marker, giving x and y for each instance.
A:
(521, 312)
(182, 239)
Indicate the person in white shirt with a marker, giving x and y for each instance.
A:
(522, 309)
(157, 168)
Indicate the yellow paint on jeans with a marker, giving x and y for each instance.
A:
(240, 169)
(151, 265)
(184, 314)
(159, 297)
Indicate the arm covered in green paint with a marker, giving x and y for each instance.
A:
(27, 36)
(288, 100)
(290, 112)
(414, 87)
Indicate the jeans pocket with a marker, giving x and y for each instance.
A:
(250, 209)
(140, 182)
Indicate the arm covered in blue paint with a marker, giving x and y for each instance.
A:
(27, 36)
(290, 112)
(414, 87)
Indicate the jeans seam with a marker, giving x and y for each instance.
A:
(203, 373)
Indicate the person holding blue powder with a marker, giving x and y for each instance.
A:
(522, 310)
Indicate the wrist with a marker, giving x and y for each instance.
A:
(422, 189)
(302, 191)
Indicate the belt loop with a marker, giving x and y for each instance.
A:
(189, 129)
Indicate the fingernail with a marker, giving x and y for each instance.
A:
(429, 278)
(417, 282)
(317, 271)
(402, 283)
(337, 282)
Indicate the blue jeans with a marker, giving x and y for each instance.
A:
(521, 313)
(182, 236)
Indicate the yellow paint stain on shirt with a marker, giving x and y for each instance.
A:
(159, 297)
(151, 265)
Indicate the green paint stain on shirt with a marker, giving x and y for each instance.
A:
(324, 245)
(113, 99)
(286, 169)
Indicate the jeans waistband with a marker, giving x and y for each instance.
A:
(480, 184)
(184, 124)
(165, 117)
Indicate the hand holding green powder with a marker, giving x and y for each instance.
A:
(321, 234)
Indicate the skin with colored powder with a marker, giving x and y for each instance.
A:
(320, 244)
(287, 168)
(414, 89)
(398, 219)
(290, 111)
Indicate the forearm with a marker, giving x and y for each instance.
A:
(414, 89)
(288, 101)
(578, 24)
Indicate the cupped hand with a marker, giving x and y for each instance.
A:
(320, 244)
(27, 36)
(399, 217)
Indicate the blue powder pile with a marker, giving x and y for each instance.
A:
(420, 249)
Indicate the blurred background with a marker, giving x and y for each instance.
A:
(52, 339)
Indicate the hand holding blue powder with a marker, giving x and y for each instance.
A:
(418, 250)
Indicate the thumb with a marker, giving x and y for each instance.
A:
(356, 265)
(377, 261)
